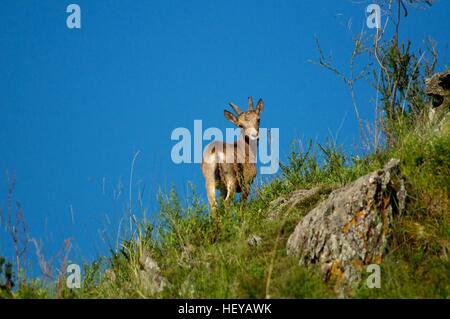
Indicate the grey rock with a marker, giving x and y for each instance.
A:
(254, 240)
(282, 204)
(438, 88)
(350, 229)
(149, 275)
(186, 258)
(110, 274)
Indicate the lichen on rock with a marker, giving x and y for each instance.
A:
(350, 229)
(438, 88)
(149, 275)
(280, 205)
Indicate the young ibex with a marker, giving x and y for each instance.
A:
(232, 167)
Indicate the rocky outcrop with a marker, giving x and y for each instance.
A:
(148, 279)
(149, 275)
(350, 229)
(254, 240)
(298, 197)
(438, 88)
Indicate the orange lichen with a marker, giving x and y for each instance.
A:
(358, 264)
(384, 214)
(378, 259)
(353, 222)
(336, 273)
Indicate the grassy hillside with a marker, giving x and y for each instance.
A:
(245, 257)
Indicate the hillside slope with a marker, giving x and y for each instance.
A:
(186, 255)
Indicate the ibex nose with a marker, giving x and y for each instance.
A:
(253, 134)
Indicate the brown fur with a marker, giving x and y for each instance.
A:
(233, 172)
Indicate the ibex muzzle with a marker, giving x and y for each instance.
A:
(231, 168)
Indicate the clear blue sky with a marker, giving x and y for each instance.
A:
(75, 105)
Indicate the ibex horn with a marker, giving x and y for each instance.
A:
(250, 103)
(235, 108)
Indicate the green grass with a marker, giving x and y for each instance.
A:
(200, 260)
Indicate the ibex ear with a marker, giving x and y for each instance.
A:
(259, 106)
(230, 117)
